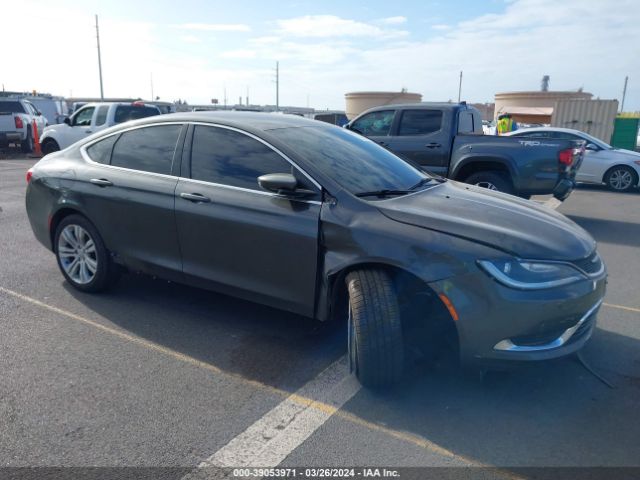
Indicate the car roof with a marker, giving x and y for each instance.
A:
(242, 120)
(421, 105)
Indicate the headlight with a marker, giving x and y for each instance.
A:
(527, 275)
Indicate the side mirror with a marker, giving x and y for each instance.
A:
(592, 147)
(278, 182)
(67, 120)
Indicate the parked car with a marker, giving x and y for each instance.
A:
(447, 139)
(53, 108)
(92, 118)
(314, 219)
(16, 122)
(617, 168)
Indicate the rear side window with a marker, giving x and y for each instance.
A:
(101, 115)
(11, 107)
(100, 152)
(148, 149)
(465, 122)
(420, 122)
(227, 157)
(124, 113)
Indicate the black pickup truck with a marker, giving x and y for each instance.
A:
(447, 139)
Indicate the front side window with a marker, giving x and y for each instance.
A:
(420, 122)
(228, 157)
(374, 123)
(101, 115)
(100, 152)
(148, 149)
(353, 161)
(83, 118)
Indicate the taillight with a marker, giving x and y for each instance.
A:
(29, 174)
(565, 157)
(19, 123)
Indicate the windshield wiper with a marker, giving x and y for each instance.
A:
(383, 193)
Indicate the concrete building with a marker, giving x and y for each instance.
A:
(533, 106)
(358, 102)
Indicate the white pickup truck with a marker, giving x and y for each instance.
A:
(91, 118)
(16, 123)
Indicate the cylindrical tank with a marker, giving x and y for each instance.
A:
(358, 102)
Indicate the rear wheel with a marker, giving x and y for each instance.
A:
(376, 350)
(491, 181)
(27, 144)
(50, 146)
(82, 256)
(621, 178)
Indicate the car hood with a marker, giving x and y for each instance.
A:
(520, 227)
(625, 154)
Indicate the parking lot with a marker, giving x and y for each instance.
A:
(158, 374)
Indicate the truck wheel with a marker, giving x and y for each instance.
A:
(375, 332)
(50, 146)
(27, 144)
(82, 256)
(621, 178)
(492, 181)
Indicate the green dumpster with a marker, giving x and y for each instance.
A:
(625, 132)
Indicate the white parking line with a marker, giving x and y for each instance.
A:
(273, 437)
(553, 203)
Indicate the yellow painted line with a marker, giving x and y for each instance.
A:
(622, 307)
(302, 400)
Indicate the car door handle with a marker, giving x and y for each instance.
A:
(433, 145)
(195, 197)
(384, 144)
(101, 182)
(87, 131)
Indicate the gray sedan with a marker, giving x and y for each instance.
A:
(320, 221)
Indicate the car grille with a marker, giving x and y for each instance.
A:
(592, 265)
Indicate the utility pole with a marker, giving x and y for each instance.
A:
(460, 87)
(99, 59)
(277, 86)
(247, 95)
(624, 93)
(225, 97)
(152, 97)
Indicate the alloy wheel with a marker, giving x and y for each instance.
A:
(77, 253)
(487, 185)
(620, 179)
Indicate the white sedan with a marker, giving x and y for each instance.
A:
(617, 168)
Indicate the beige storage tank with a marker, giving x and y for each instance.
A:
(358, 102)
(534, 106)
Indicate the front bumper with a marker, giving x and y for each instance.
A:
(497, 323)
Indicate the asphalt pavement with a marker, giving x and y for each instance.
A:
(155, 374)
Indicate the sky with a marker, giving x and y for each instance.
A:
(196, 50)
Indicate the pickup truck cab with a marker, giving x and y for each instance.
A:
(447, 139)
(16, 123)
(92, 118)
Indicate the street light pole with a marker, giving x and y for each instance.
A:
(99, 59)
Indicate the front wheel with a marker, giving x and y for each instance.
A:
(621, 178)
(82, 256)
(50, 146)
(491, 181)
(376, 349)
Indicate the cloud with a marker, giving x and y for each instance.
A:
(441, 27)
(239, 54)
(325, 26)
(215, 27)
(190, 39)
(393, 20)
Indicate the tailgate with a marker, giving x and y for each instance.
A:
(7, 124)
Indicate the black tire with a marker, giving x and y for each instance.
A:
(27, 144)
(617, 177)
(49, 146)
(376, 344)
(500, 181)
(106, 272)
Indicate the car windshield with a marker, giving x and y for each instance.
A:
(124, 113)
(356, 163)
